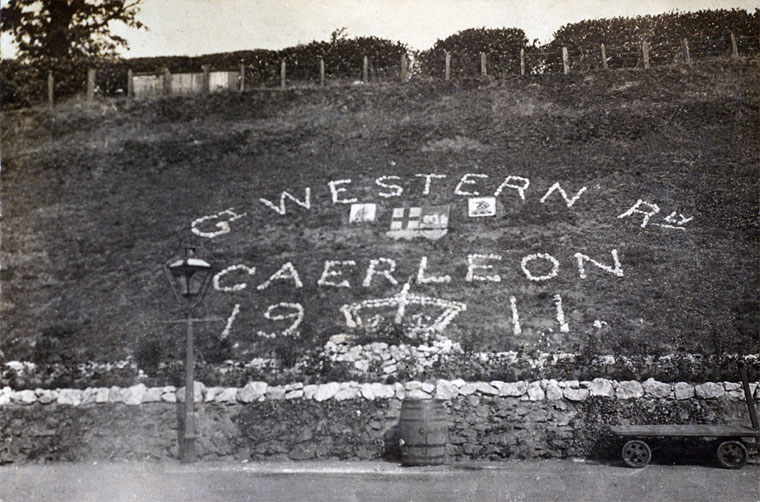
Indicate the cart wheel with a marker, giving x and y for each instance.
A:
(636, 453)
(732, 454)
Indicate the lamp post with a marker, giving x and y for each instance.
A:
(190, 277)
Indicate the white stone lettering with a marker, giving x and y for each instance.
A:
(472, 266)
(329, 272)
(582, 259)
(564, 327)
(285, 272)
(653, 209)
(516, 329)
(306, 203)
(236, 287)
(428, 178)
(467, 181)
(422, 279)
(230, 320)
(228, 215)
(296, 314)
(540, 256)
(372, 271)
(335, 191)
(569, 201)
(397, 190)
(509, 182)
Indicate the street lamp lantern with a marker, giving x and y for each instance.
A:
(190, 276)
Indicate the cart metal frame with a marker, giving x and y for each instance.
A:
(732, 440)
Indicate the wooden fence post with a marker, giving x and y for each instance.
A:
(403, 67)
(734, 48)
(90, 84)
(130, 84)
(604, 56)
(283, 74)
(321, 72)
(448, 66)
(365, 70)
(483, 70)
(686, 53)
(50, 87)
(565, 61)
(242, 76)
(167, 81)
(645, 54)
(206, 80)
(522, 61)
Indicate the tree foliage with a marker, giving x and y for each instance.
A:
(67, 29)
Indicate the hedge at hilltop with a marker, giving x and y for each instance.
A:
(24, 84)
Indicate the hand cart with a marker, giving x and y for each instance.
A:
(732, 440)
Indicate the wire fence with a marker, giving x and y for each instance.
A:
(29, 85)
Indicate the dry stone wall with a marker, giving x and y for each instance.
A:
(488, 420)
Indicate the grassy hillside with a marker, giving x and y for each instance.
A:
(94, 197)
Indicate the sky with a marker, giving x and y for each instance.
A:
(193, 27)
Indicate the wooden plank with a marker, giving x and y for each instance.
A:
(565, 61)
(685, 430)
(522, 61)
(90, 84)
(734, 48)
(604, 56)
(130, 84)
(321, 72)
(448, 66)
(50, 90)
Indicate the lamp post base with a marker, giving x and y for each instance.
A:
(187, 450)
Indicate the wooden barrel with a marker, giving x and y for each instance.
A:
(424, 432)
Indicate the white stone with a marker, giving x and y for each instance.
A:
(660, 390)
(459, 383)
(102, 394)
(371, 391)
(487, 389)
(575, 394)
(252, 391)
(226, 395)
(515, 389)
(153, 394)
(294, 394)
(46, 396)
(275, 392)
(134, 395)
(468, 388)
(445, 390)
(400, 390)
(24, 397)
(71, 397)
(428, 387)
(211, 393)
(115, 395)
(198, 391)
(570, 384)
(629, 389)
(293, 386)
(497, 384)
(553, 391)
(709, 390)
(535, 393)
(413, 385)
(309, 391)
(362, 365)
(600, 387)
(683, 390)
(346, 392)
(5, 396)
(418, 394)
(326, 391)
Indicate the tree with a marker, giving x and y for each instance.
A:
(67, 29)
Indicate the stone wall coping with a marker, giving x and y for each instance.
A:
(537, 390)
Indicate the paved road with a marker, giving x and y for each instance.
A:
(375, 481)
